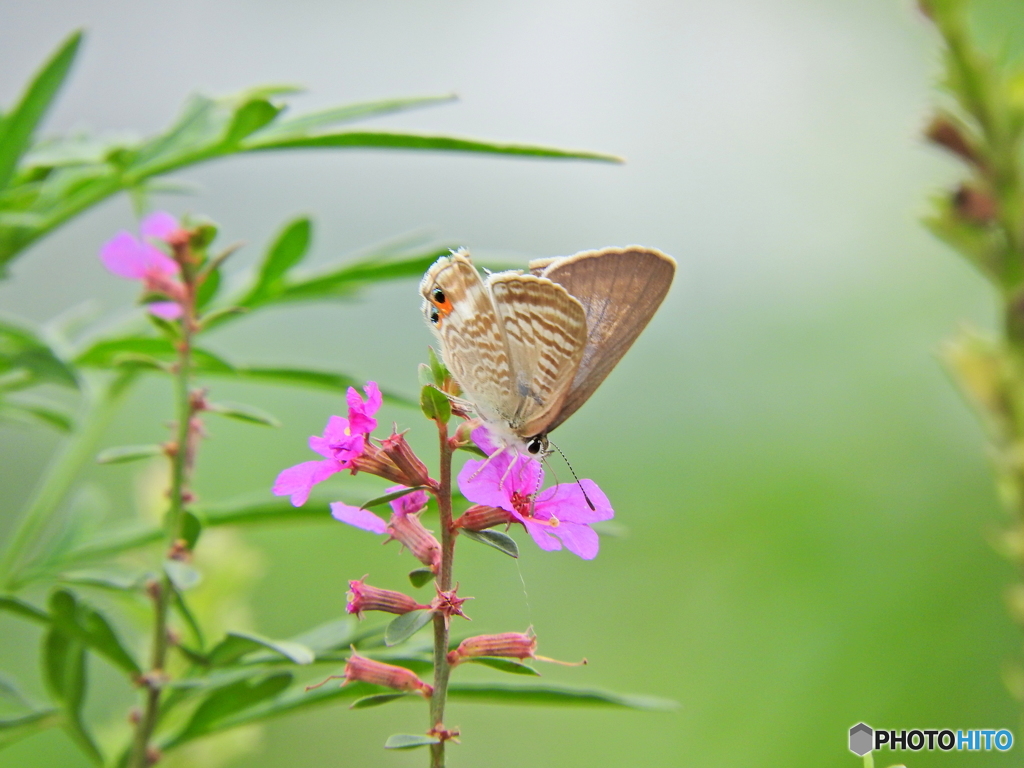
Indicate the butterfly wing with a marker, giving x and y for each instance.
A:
(545, 333)
(472, 341)
(620, 289)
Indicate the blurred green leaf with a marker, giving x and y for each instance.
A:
(224, 702)
(435, 404)
(500, 541)
(65, 674)
(288, 249)
(513, 692)
(104, 353)
(182, 575)
(339, 633)
(16, 728)
(377, 699)
(85, 624)
(50, 415)
(421, 576)
(208, 290)
(101, 579)
(20, 123)
(22, 349)
(392, 140)
(23, 609)
(505, 665)
(409, 741)
(181, 606)
(191, 527)
(252, 116)
(237, 644)
(401, 628)
(125, 453)
(242, 412)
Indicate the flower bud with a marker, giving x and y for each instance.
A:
(949, 134)
(974, 205)
(409, 531)
(375, 461)
(478, 517)
(360, 669)
(401, 454)
(363, 597)
(512, 645)
(448, 604)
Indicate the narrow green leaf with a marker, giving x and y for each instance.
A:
(339, 633)
(379, 500)
(249, 118)
(104, 353)
(237, 644)
(229, 700)
(49, 415)
(101, 579)
(377, 699)
(242, 412)
(437, 368)
(85, 624)
(346, 280)
(435, 404)
(181, 606)
(421, 576)
(304, 124)
(208, 290)
(405, 626)
(505, 665)
(22, 349)
(23, 609)
(21, 122)
(550, 694)
(65, 674)
(288, 249)
(17, 728)
(125, 453)
(409, 741)
(500, 541)
(182, 575)
(416, 141)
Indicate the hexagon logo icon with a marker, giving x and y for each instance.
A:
(861, 738)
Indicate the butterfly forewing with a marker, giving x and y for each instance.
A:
(545, 332)
(620, 289)
(472, 342)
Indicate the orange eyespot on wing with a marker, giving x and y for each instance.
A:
(439, 299)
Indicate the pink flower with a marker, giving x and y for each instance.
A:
(341, 444)
(138, 259)
(404, 526)
(556, 516)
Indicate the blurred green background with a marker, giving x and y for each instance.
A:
(806, 496)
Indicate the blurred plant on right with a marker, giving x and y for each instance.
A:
(982, 218)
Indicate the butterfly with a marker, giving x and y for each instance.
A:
(528, 349)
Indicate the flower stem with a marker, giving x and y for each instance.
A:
(182, 462)
(444, 580)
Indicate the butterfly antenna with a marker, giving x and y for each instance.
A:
(584, 490)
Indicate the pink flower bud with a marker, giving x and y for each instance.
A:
(374, 461)
(409, 531)
(363, 597)
(479, 516)
(512, 645)
(401, 454)
(360, 669)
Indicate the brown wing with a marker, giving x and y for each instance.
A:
(545, 332)
(620, 290)
(472, 342)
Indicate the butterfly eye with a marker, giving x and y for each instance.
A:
(438, 296)
(535, 445)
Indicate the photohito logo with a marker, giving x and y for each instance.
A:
(864, 739)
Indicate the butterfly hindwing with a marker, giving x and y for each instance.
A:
(620, 290)
(545, 333)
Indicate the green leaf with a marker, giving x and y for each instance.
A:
(182, 575)
(379, 500)
(409, 741)
(126, 453)
(339, 633)
(551, 694)
(49, 415)
(421, 576)
(207, 292)
(325, 380)
(190, 529)
(237, 644)
(377, 699)
(505, 665)
(405, 626)
(185, 612)
(435, 404)
(104, 353)
(288, 249)
(22, 349)
(500, 541)
(16, 728)
(23, 609)
(111, 580)
(416, 141)
(437, 368)
(252, 116)
(230, 700)
(66, 676)
(20, 123)
(85, 624)
(242, 412)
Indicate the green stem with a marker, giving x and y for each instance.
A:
(869, 760)
(59, 477)
(441, 666)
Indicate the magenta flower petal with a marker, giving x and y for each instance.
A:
(567, 503)
(579, 539)
(167, 310)
(299, 480)
(360, 413)
(158, 224)
(410, 504)
(124, 256)
(496, 481)
(360, 518)
(484, 440)
(542, 535)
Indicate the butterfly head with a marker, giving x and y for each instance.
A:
(538, 446)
